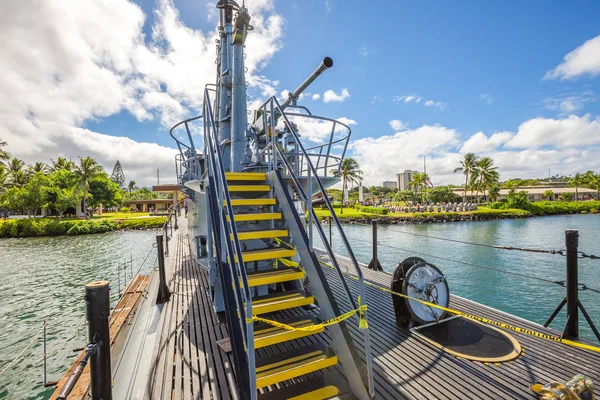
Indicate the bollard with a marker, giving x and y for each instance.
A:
(176, 225)
(166, 244)
(98, 312)
(330, 237)
(572, 326)
(374, 264)
(163, 290)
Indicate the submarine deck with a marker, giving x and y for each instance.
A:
(190, 365)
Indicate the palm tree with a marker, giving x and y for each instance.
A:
(418, 182)
(349, 172)
(18, 177)
(4, 156)
(577, 181)
(593, 181)
(131, 187)
(87, 170)
(494, 192)
(467, 166)
(484, 175)
(4, 179)
(39, 167)
(61, 163)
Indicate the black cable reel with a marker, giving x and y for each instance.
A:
(416, 278)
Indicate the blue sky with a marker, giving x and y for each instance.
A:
(443, 71)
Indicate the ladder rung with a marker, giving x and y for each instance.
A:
(267, 254)
(272, 276)
(245, 176)
(252, 202)
(255, 217)
(249, 188)
(281, 301)
(262, 234)
(270, 335)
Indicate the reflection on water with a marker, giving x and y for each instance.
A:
(526, 298)
(43, 279)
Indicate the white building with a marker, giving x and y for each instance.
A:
(390, 184)
(404, 178)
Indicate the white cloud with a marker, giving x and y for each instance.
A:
(331, 96)
(487, 98)
(480, 143)
(406, 99)
(398, 125)
(571, 131)
(583, 60)
(316, 96)
(567, 145)
(63, 66)
(317, 131)
(377, 99)
(365, 51)
(569, 103)
(328, 5)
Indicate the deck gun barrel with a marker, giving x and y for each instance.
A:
(325, 64)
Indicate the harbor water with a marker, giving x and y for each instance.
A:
(43, 279)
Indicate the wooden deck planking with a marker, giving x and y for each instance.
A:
(404, 365)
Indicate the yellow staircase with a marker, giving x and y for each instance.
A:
(249, 190)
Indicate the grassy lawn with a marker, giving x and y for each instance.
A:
(482, 211)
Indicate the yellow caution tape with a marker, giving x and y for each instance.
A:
(479, 319)
(281, 242)
(311, 328)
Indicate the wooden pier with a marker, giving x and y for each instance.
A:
(189, 364)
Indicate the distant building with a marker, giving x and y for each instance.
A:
(390, 184)
(404, 178)
(534, 193)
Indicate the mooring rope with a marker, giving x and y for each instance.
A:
(31, 342)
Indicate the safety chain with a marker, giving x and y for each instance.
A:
(581, 286)
(584, 255)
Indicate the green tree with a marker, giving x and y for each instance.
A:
(14, 199)
(63, 199)
(4, 156)
(349, 172)
(517, 200)
(441, 194)
(87, 170)
(467, 166)
(405, 195)
(105, 191)
(36, 193)
(494, 192)
(61, 164)
(577, 181)
(549, 194)
(131, 187)
(566, 197)
(484, 175)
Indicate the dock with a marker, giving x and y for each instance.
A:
(189, 364)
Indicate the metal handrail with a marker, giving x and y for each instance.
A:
(313, 171)
(230, 230)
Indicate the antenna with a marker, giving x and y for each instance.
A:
(157, 176)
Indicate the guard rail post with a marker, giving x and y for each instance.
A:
(166, 237)
(374, 264)
(97, 300)
(163, 290)
(571, 330)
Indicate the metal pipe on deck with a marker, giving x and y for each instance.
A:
(97, 297)
(326, 63)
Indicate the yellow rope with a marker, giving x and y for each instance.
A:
(311, 328)
(479, 319)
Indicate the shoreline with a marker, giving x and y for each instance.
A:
(431, 219)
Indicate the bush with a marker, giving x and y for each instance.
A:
(125, 209)
(142, 223)
(51, 227)
(374, 210)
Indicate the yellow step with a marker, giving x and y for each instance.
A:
(267, 254)
(252, 202)
(255, 217)
(281, 302)
(245, 176)
(267, 234)
(273, 335)
(297, 364)
(271, 277)
(249, 188)
(320, 394)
